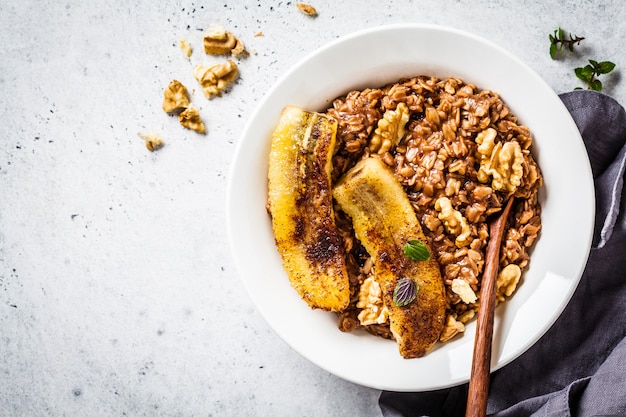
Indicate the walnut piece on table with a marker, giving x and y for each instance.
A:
(307, 9)
(190, 119)
(153, 141)
(175, 97)
(215, 78)
(185, 47)
(218, 41)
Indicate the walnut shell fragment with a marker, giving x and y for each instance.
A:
(218, 41)
(190, 119)
(175, 97)
(216, 78)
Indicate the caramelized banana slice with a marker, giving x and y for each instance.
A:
(384, 221)
(300, 203)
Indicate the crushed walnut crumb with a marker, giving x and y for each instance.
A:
(185, 47)
(307, 9)
(216, 78)
(218, 41)
(213, 79)
(153, 141)
(190, 119)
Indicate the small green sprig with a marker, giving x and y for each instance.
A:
(559, 39)
(591, 71)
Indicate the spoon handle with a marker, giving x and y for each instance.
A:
(481, 361)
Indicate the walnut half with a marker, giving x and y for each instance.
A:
(390, 129)
(175, 97)
(500, 161)
(215, 79)
(453, 221)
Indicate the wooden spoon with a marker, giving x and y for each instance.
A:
(481, 362)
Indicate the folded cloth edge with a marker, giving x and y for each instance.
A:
(606, 142)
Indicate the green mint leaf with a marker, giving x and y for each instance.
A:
(405, 292)
(579, 74)
(593, 63)
(585, 73)
(561, 34)
(596, 85)
(553, 50)
(605, 67)
(416, 250)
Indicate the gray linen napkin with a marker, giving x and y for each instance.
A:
(578, 368)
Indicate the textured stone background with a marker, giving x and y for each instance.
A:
(117, 292)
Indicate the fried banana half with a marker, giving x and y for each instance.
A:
(384, 221)
(301, 207)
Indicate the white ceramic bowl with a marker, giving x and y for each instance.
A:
(373, 58)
